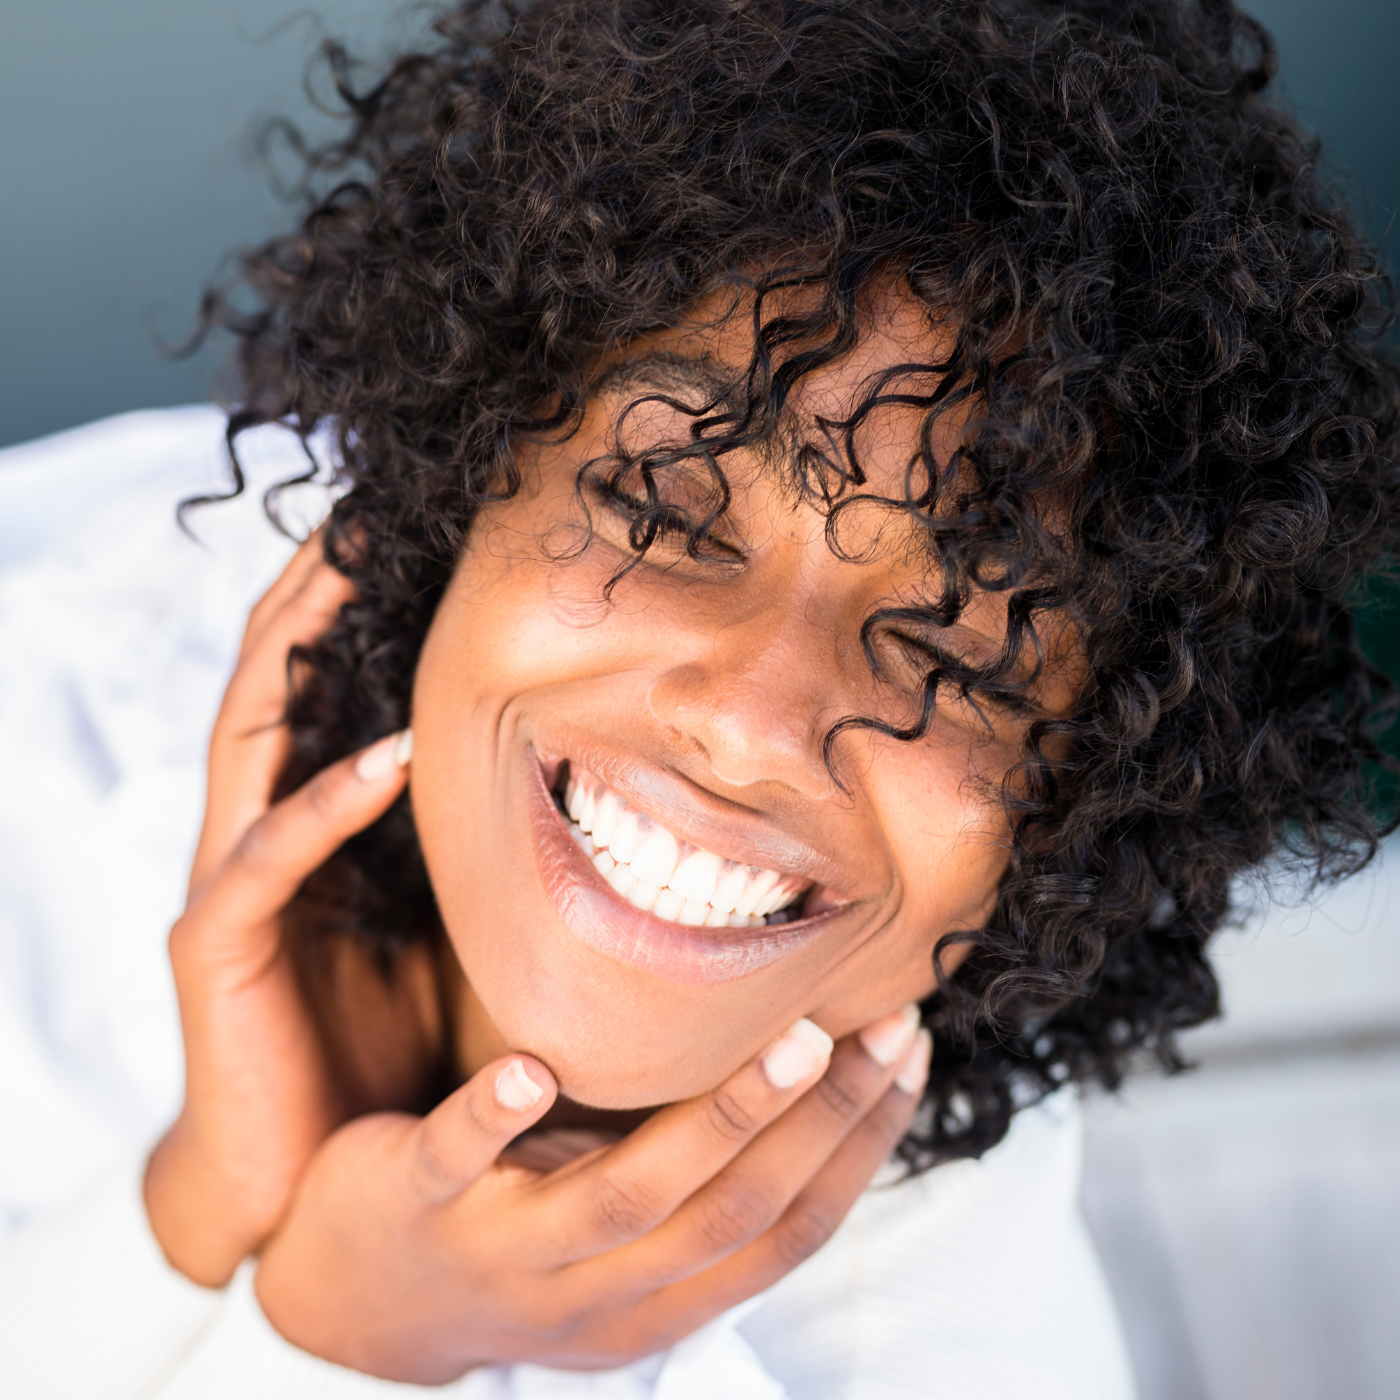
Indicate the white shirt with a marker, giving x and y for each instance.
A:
(117, 633)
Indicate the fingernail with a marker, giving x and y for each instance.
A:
(797, 1055)
(887, 1039)
(384, 757)
(913, 1074)
(515, 1089)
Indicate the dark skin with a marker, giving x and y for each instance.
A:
(414, 1247)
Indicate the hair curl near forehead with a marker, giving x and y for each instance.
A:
(1165, 324)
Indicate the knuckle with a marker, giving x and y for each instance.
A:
(621, 1209)
(256, 851)
(550, 1321)
(621, 1340)
(804, 1228)
(890, 1117)
(727, 1118)
(838, 1098)
(734, 1215)
(323, 797)
(429, 1163)
(432, 1160)
(483, 1120)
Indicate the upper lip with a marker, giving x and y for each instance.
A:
(695, 815)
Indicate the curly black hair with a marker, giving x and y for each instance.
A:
(1167, 327)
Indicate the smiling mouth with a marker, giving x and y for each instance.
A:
(659, 874)
(712, 944)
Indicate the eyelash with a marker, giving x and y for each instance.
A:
(670, 519)
(936, 656)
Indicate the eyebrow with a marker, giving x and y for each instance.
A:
(666, 371)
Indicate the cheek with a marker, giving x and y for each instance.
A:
(503, 629)
(949, 844)
(941, 805)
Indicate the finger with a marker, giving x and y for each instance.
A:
(308, 557)
(250, 742)
(809, 1220)
(257, 692)
(470, 1128)
(750, 1195)
(294, 838)
(629, 1190)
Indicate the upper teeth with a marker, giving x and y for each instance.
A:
(650, 868)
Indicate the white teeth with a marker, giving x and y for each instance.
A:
(730, 887)
(655, 860)
(764, 881)
(668, 905)
(642, 861)
(605, 816)
(643, 895)
(695, 877)
(773, 900)
(626, 838)
(584, 840)
(621, 878)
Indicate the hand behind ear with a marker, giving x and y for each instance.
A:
(260, 1088)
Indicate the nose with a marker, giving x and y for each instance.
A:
(757, 696)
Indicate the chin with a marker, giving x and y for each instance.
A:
(605, 1062)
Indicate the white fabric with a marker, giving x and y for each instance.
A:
(975, 1282)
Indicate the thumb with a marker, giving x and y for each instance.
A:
(469, 1129)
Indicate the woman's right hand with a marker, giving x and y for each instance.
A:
(260, 1093)
(414, 1250)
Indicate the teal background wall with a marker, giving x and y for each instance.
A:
(126, 172)
(126, 167)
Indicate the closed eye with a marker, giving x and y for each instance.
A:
(963, 676)
(665, 528)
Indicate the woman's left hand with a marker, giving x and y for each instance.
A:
(415, 1250)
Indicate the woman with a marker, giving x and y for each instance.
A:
(848, 518)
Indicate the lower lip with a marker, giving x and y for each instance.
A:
(598, 916)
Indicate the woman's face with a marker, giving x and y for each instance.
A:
(682, 720)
